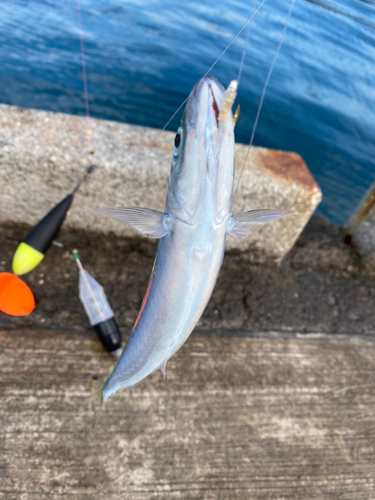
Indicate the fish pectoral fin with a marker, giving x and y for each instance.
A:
(145, 221)
(242, 225)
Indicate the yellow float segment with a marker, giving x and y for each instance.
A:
(26, 259)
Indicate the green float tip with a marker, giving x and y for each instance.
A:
(77, 259)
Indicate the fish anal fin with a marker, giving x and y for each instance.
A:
(242, 225)
(147, 222)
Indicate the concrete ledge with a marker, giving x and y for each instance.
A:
(361, 228)
(318, 288)
(43, 155)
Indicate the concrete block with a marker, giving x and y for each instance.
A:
(43, 155)
(361, 228)
(274, 179)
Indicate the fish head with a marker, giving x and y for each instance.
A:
(202, 167)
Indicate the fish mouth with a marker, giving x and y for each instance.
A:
(205, 98)
(215, 107)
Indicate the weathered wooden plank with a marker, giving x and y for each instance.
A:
(237, 418)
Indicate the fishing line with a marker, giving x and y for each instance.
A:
(243, 56)
(85, 94)
(235, 37)
(92, 433)
(83, 61)
(214, 64)
(282, 37)
(88, 171)
(31, 251)
(244, 49)
(69, 438)
(209, 69)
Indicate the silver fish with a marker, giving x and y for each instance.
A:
(192, 233)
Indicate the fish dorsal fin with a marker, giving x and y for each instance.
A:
(145, 221)
(242, 225)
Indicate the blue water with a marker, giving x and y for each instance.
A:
(143, 58)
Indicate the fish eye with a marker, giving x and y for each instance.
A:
(177, 142)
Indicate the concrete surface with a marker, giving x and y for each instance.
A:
(236, 419)
(320, 286)
(361, 228)
(271, 398)
(43, 156)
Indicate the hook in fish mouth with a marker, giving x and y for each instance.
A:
(209, 94)
(228, 100)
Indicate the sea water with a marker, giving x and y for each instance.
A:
(143, 58)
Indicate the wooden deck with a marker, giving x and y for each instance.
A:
(236, 418)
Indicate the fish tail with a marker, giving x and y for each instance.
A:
(98, 388)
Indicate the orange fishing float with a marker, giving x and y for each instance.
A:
(16, 298)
